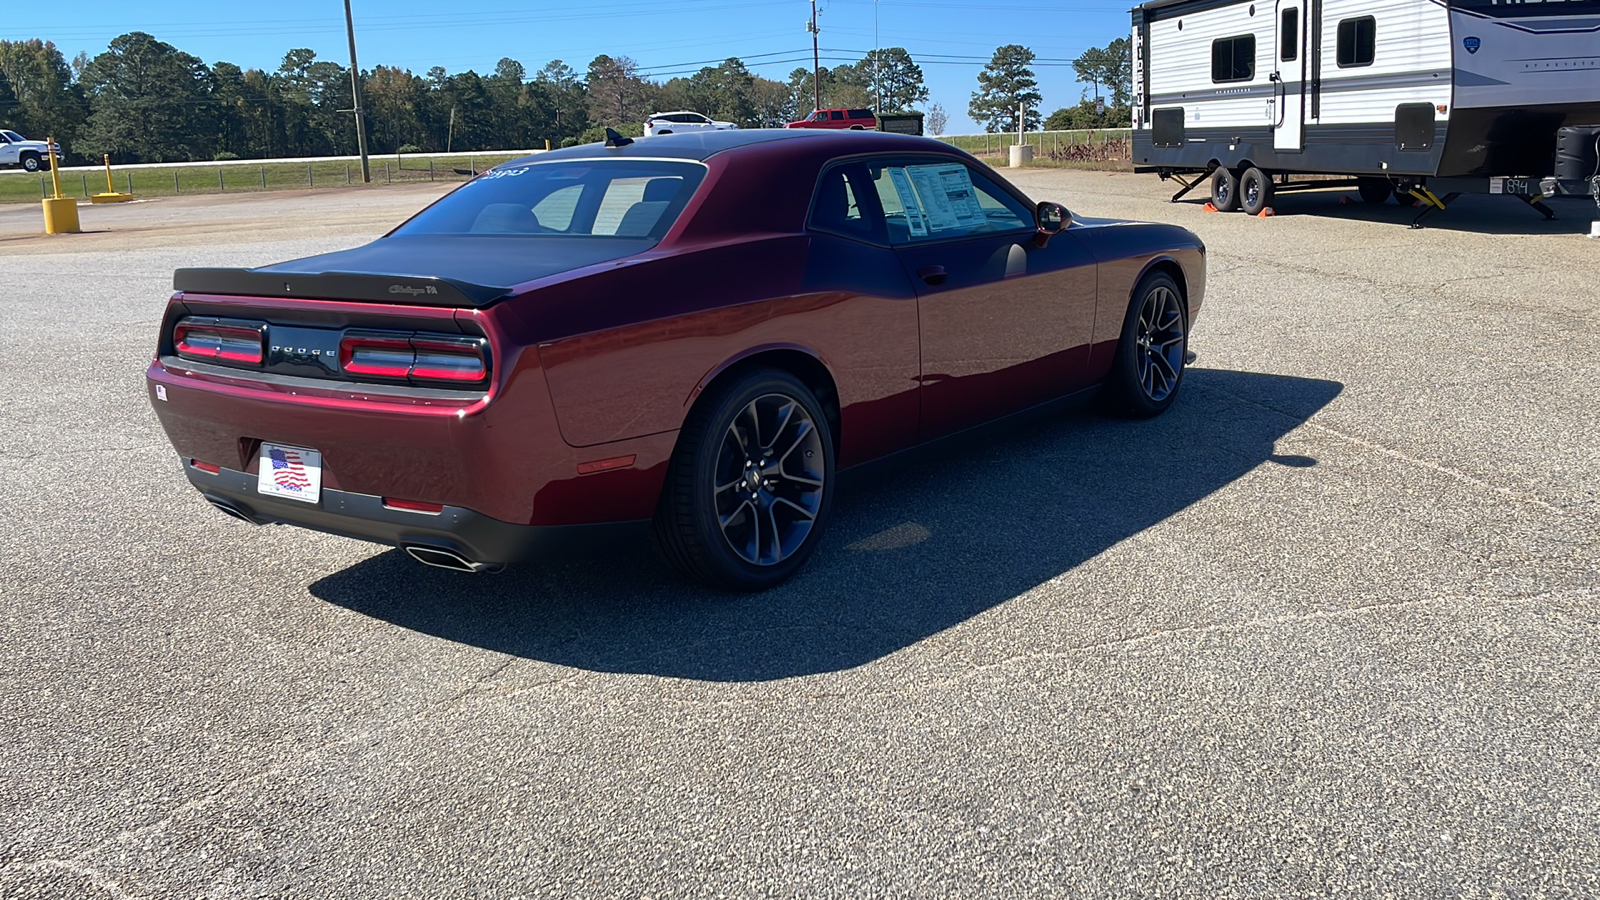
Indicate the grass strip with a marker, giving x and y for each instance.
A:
(231, 178)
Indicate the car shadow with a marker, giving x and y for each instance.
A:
(919, 543)
(1469, 213)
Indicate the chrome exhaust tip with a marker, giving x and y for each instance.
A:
(229, 509)
(442, 558)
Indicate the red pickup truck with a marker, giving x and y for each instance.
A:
(856, 119)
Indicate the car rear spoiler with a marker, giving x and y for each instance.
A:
(413, 290)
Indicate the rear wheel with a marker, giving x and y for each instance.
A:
(750, 484)
(1148, 367)
(1225, 190)
(32, 163)
(1374, 190)
(1255, 191)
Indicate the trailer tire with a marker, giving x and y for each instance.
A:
(1374, 190)
(1225, 190)
(1255, 191)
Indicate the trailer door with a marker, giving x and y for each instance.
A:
(1288, 77)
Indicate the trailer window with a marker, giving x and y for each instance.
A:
(1357, 41)
(1233, 58)
(1289, 35)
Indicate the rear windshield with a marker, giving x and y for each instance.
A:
(589, 198)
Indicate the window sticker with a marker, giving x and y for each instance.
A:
(948, 200)
(908, 202)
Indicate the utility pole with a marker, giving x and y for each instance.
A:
(355, 92)
(877, 59)
(816, 58)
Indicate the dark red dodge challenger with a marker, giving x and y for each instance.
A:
(697, 329)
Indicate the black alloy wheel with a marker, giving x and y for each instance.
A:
(1225, 190)
(1255, 191)
(1374, 190)
(750, 484)
(1153, 350)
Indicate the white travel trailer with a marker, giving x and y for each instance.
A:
(1415, 98)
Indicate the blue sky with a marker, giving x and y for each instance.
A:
(950, 38)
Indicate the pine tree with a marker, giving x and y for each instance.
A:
(1005, 84)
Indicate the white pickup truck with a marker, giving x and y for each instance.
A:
(16, 150)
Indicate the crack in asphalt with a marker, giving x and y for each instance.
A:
(1481, 484)
(74, 863)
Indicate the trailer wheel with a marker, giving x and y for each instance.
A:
(1225, 190)
(1255, 191)
(1374, 190)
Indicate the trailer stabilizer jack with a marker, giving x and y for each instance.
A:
(1537, 202)
(1191, 185)
(1430, 202)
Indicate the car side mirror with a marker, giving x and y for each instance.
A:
(1051, 219)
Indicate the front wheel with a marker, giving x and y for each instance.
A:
(1147, 369)
(1374, 190)
(1255, 191)
(32, 163)
(750, 483)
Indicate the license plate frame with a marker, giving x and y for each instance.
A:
(293, 473)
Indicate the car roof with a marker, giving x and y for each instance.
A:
(678, 112)
(702, 145)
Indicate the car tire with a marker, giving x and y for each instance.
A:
(32, 162)
(1147, 369)
(1225, 190)
(1255, 191)
(1374, 190)
(750, 483)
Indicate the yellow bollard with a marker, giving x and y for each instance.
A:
(112, 195)
(60, 212)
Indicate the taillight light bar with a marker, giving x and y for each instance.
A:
(232, 341)
(463, 360)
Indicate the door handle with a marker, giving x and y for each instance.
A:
(934, 275)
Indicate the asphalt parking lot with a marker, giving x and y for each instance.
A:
(1331, 626)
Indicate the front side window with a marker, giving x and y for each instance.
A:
(579, 199)
(1233, 58)
(940, 200)
(1358, 40)
(819, 116)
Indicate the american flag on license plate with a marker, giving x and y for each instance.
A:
(289, 470)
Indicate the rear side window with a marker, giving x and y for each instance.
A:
(844, 205)
(576, 199)
(1358, 40)
(860, 113)
(836, 114)
(1233, 58)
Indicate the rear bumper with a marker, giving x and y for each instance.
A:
(479, 538)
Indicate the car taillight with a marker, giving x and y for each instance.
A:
(221, 340)
(419, 358)
(375, 357)
(460, 361)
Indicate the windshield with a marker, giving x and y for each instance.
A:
(586, 198)
(12, 135)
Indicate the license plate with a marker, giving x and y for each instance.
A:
(292, 472)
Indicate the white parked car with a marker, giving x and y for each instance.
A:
(683, 120)
(16, 150)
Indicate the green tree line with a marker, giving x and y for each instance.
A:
(144, 100)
